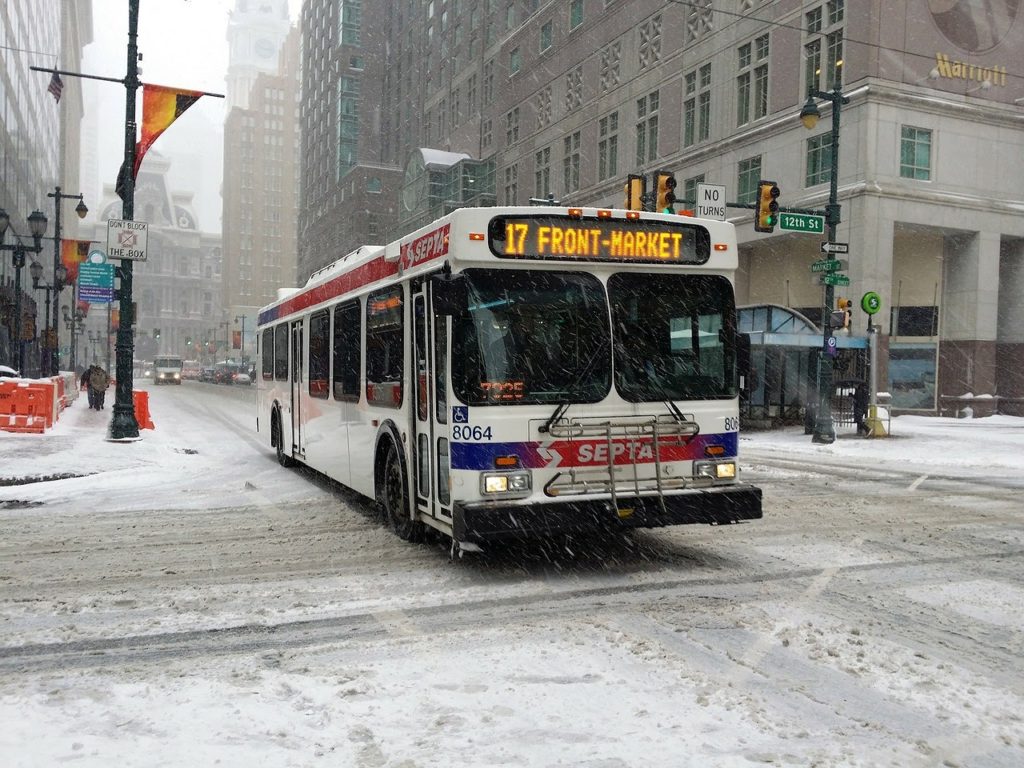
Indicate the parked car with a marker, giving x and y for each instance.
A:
(208, 374)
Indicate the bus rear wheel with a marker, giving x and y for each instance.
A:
(278, 439)
(394, 500)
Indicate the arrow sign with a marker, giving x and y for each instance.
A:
(833, 278)
(835, 247)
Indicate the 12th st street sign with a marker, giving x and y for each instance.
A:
(834, 278)
(802, 222)
(127, 240)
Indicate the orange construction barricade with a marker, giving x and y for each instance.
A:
(141, 399)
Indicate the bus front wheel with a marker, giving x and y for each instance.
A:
(394, 501)
(277, 438)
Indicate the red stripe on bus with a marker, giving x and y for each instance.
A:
(371, 272)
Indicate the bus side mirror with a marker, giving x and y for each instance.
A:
(743, 363)
(450, 293)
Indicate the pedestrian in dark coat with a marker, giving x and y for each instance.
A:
(85, 383)
(99, 380)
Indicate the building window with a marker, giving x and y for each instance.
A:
(690, 109)
(704, 103)
(515, 61)
(351, 21)
(746, 182)
(511, 184)
(512, 126)
(575, 13)
(819, 159)
(571, 163)
(471, 93)
(690, 187)
(608, 146)
(546, 36)
(916, 153)
(542, 172)
(646, 128)
(485, 133)
(488, 89)
(752, 80)
(833, 35)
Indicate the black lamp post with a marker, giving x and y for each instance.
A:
(50, 343)
(824, 432)
(74, 323)
(81, 210)
(37, 226)
(94, 339)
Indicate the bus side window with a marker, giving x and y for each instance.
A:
(346, 352)
(266, 353)
(385, 331)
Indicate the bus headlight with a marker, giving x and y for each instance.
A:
(715, 470)
(505, 484)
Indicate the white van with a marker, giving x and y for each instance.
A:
(167, 369)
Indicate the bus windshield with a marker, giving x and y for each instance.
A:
(542, 337)
(673, 336)
(531, 337)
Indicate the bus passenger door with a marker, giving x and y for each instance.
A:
(296, 378)
(430, 339)
(421, 365)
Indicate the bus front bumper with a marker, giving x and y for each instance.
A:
(487, 521)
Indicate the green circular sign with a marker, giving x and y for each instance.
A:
(871, 302)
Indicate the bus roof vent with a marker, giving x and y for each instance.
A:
(284, 293)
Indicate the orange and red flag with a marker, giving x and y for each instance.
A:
(73, 253)
(161, 106)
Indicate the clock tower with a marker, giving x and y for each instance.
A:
(256, 30)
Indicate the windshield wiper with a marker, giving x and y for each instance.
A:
(564, 405)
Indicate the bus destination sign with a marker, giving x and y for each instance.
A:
(559, 237)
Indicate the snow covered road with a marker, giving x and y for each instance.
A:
(192, 602)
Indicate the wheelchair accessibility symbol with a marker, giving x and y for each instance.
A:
(460, 414)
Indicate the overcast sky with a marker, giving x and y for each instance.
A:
(183, 43)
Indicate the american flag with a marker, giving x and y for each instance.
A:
(56, 86)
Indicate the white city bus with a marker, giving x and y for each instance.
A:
(518, 371)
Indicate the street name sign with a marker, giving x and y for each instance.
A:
(835, 247)
(833, 278)
(802, 222)
(127, 240)
(711, 201)
(827, 265)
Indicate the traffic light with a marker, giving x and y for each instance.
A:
(156, 333)
(666, 186)
(767, 214)
(188, 341)
(636, 187)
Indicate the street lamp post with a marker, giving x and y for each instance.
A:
(242, 352)
(74, 323)
(58, 285)
(824, 432)
(227, 339)
(37, 227)
(94, 339)
(50, 343)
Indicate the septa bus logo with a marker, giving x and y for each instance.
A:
(429, 246)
